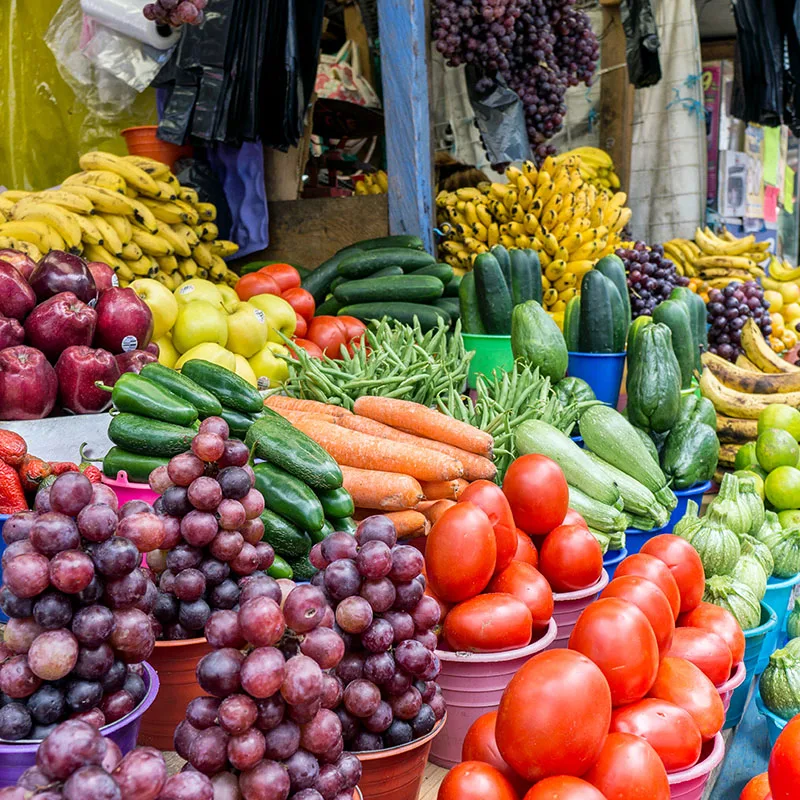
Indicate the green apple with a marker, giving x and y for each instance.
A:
(209, 352)
(280, 315)
(199, 322)
(247, 330)
(161, 302)
(198, 289)
(230, 300)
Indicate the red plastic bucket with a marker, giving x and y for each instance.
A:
(567, 607)
(142, 141)
(472, 685)
(125, 491)
(734, 682)
(688, 784)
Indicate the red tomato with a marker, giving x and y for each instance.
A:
(572, 517)
(720, 621)
(301, 327)
(480, 745)
(553, 716)
(656, 571)
(784, 763)
(563, 787)
(668, 729)
(328, 334)
(526, 549)
(571, 558)
(682, 683)
(309, 346)
(757, 788)
(301, 301)
(285, 275)
(488, 623)
(684, 563)
(629, 769)
(256, 283)
(537, 492)
(460, 554)
(354, 328)
(526, 583)
(705, 650)
(616, 636)
(474, 780)
(650, 600)
(489, 497)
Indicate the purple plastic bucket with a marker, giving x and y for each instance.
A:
(472, 685)
(16, 758)
(612, 559)
(568, 606)
(688, 784)
(734, 682)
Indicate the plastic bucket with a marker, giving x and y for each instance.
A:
(695, 493)
(3, 518)
(635, 538)
(778, 597)
(578, 441)
(753, 639)
(16, 758)
(142, 141)
(688, 784)
(472, 685)
(176, 663)
(612, 559)
(775, 724)
(734, 682)
(602, 371)
(396, 773)
(125, 491)
(567, 607)
(491, 353)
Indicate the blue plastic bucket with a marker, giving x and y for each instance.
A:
(753, 639)
(695, 493)
(491, 353)
(3, 518)
(612, 559)
(578, 441)
(775, 724)
(636, 538)
(778, 597)
(602, 371)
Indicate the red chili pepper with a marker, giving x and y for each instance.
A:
(32, 472)
(92, 473)
(60, 467)
(12, 497)
(12, 448)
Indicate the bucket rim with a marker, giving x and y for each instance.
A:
(770, 715)
(136, 128)
(597, 355)
(182, 642)
(492, 337)
(772, 620)
(704, 767)
(697, 488)
(377, 755)
(736, 679)
(783, 583)
(582, 594)
(504, 655)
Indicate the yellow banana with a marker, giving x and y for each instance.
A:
(493, 234)
(121, 225)
(64, 222)
(150, 244)
(203, 256)
(111, 240)
(218, 271)
(157, 169)
(166, 212)
(131, 252)
(523, 242)
(555, 270)
(529, 171)
(144, 216)
(580, 268)
(96, 252)
(757, 350)
(90, 233)
(30, 249)
(622, 220)
(167, 264)
(549, 220)
(134, 176)
(14, 195)
(480, 232)
(506, 240)
(206, 211)
(513, 173)
(37, 233)
(102, 180)
(103, 200)
(68, 200)
(471, 212)
(224, 248)
(468, 193)
(187, 267)
(189, 195)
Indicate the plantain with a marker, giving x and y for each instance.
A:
(742, 380)
(737, 404)
(760, 353)
(745, 363)
(727, 454)
(736, 431)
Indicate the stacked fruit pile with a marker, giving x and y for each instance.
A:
(729, 309)
(718, 260)
(596, 166)
(651, 276)
(373, 183)
(128, 212)
(782, 292)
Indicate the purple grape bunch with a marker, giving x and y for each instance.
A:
(78, 605)
(539, 47)
(728, 311)
(175, 13)
(651, 276)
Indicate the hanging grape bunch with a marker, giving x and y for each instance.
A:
(539, 47)
(176, 12)
(651, 276)
(728, 311)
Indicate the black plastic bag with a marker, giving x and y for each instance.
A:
(641, 43)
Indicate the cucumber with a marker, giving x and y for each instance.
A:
(231, 390)
(675, 315)
(206, 404)
(320, 280)
(536, 269)
(450, 305)
(302, 569)
(346, 524)
(280, 568)
(572, 325)
(597, 320)
(612, 267)
(404, 288)
(523, 280)
(338, 282)
(285, 538)
(238, 422)
(620, 329)
(494, 296)
(451, 290)
(399, 240)
(444, 272)
(336, 503)
(360, 264)
(149, 437)
(289, 497)
(329, 308)
(471, 321)
(697, 318)
(323, 533)
(428, 316)
(387, 272)
(504, 260)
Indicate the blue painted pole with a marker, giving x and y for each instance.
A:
(403, 27)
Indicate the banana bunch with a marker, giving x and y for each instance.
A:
(553, 210)
(373, 183)
(128, 212)
(595, 166)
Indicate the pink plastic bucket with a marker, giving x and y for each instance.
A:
(734, 682)
(688, 784)
(126, 491)
(567, 607)
(472, 684)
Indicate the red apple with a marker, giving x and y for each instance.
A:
(28, 384)
(124, 321)
(11, 332)
(104, 276)
(60, 322)
(134, 360)
(24, 263)
(78, 368)
(153, 348)
(17, 299)
(63, 272)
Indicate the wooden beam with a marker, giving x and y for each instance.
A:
(717, 49)
(354, 29)
(403, 26)
(616, 97)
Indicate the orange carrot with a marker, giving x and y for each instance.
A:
(422, 421)
(386, 491)
(436, 510)
(293, 416)
(409, 524)
(475, 467)
(277, 402)
(354, 449)
(444, 490)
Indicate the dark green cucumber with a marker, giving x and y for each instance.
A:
(289, 497)
(388, 272)
(285, 538)
(323, 533)
(279, 442)
(238, 422)
(450, 305)
(536, 269)
(451, 290)
(404, 288)
(320, 280)
(360, 264)
(612, 267)
(135, 465)
(231, 390)
(329, 308)
(471, 321)
(444, 272)
(618, 316)
(597, 320)
(280, 568)
(572, 324)
(336, 503)
(494, 296)
(523, 279)
(675, 315)
(504, 260)
(302, 569)
(428, 316)
(302, 271)
(697, 317)
(337, 282)
(346, 524)
(204, 401)
(398, 240)
(149, 437)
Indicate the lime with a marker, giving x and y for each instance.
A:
(789, 519)
(776, 448)
(779, 415)
(758, 471)
(745, 456)
(782, 488)
(752, 475)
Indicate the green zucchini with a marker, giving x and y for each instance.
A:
(494, 296)
(330, 307)
(614, 269)
(238, 422)
(504, 260)
(597, 515)
(634, 333)
(176, 382)
(336, 503)
(149, 437)
(600, 328)
(398, 240)
(135, 465)
(572, 324)
(280, 568)
(428, 316)
(404, 288)
(675, 315)
(451, 290)
(320, 280)
(285, 538)
(650, 445)
(523, 279)
(289, 497)
(231, 390)
(444, 272)
(361, 264)
(698, 314)
(468, 303)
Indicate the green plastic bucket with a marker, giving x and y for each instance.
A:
(491, 353)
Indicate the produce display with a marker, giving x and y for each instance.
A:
(779, 684)
(372, 183)
(651, 276)
(718, 260)
(782, 291)
(596, 166)
(729, 310)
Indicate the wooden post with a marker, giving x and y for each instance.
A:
(354, 29)
(406, 91)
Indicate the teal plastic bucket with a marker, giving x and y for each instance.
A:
(753, 640)
(612, 559)
(775, 724)
(778, 597)
(491, 353)
(602, 371)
